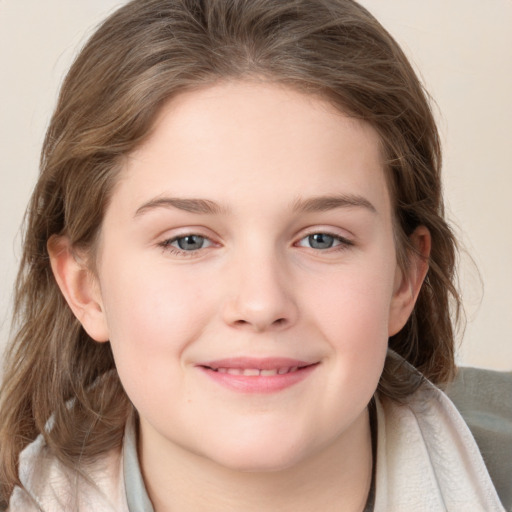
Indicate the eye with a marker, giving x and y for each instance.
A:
(190, 242)
(186, 244)
(323, 241)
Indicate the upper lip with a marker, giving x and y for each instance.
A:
(246, 363)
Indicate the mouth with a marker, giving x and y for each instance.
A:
(251, 375)
(255, 372)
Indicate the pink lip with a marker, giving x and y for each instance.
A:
(276, 373)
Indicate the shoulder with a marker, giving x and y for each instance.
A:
(427, 459)
(50, 485)
(484, 399)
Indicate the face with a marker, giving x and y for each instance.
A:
(247, 275)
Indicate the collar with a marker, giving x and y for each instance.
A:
(136, 495)
(427, 458)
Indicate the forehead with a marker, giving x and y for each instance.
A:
(226, 140)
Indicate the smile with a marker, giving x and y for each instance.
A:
(255, 372)
(250, 375)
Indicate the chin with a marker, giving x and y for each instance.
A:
(259, 457)
(260, 464)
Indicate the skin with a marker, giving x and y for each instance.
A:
(258, 287)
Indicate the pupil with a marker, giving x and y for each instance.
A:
(191, 242)
(321, 241)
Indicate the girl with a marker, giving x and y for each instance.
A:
(236, 285)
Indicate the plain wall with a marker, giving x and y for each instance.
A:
(462, 49)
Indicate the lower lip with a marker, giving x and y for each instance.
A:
(259, 383)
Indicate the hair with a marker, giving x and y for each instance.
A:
(137, 60)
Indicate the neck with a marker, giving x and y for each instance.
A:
(336, 478)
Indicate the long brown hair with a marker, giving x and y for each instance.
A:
(139, 58)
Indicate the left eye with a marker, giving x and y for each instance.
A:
(322, 241)
(188, 243)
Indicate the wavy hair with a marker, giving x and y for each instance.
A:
(140, 57)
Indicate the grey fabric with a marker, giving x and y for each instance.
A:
(484, 399)
(136, 495)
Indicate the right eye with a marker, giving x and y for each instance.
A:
(186, 243)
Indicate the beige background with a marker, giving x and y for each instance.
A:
(463, 49)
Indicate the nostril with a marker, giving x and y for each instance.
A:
(279, 322)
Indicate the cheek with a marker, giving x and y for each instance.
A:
(356, 299)
(352, 310)
(152, 317)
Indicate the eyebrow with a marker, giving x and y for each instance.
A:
(208, 207)
(326, 203)
(200, 206)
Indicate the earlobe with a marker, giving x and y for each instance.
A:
(408, 281)
(79, 287)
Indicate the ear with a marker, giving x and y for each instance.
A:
(408, 282)
(79, 287)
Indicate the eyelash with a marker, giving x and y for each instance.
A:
(344, 243)
(166, 245)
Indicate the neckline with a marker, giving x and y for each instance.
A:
(137, 497)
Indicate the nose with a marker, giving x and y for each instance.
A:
(261, 295)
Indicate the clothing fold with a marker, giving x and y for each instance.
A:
(427, 459)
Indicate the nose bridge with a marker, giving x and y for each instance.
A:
(261, 294)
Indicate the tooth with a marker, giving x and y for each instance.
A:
(251, 372)
(254, 372)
